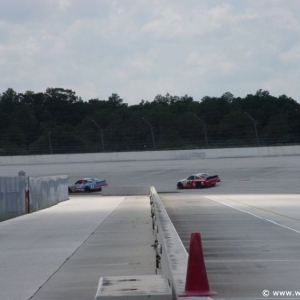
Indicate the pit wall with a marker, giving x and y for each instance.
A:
(171, 253)
(151, 155)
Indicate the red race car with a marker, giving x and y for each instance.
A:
(198, 181)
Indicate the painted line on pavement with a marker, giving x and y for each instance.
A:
(254, 215)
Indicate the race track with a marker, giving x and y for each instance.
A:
(249, 223)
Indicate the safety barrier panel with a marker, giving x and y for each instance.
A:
(12, 197)
(47, 191)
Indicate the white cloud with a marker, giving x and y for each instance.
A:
(87, 88)
(172, 23)
(211, 63)
(280, 84)
(221, 14)
(141, 64)
(168, 23)
(141, 48)
(249, 14)
(64, 4)
(292, 55)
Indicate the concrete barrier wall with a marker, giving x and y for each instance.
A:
(47, 191)
(174, 257)
(172, 262)
(151, 155)
(12, 197)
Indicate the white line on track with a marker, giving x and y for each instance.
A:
(254, 215)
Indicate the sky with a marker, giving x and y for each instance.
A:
(142, 48)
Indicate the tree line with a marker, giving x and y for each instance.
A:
(59, 121)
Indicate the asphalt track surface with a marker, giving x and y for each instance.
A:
(249, 223)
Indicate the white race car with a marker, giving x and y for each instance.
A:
(87, 185)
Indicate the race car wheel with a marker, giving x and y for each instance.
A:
(198, 185)
(87, 189)
(69, 190)
(179, 185)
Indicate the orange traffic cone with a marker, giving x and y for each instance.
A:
(196, 278)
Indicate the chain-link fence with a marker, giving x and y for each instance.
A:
(170, 138)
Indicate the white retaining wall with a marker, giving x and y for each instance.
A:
(47, 191)
(12, 197)
(151, 155)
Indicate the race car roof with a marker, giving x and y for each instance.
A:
(202, 174)
(92, 179)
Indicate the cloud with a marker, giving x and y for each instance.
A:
(141, 48)
(292, 55)
(168, 23)
(141, 64)
(220, 15)
(286, 83)
(211, 63)
(175, 22)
